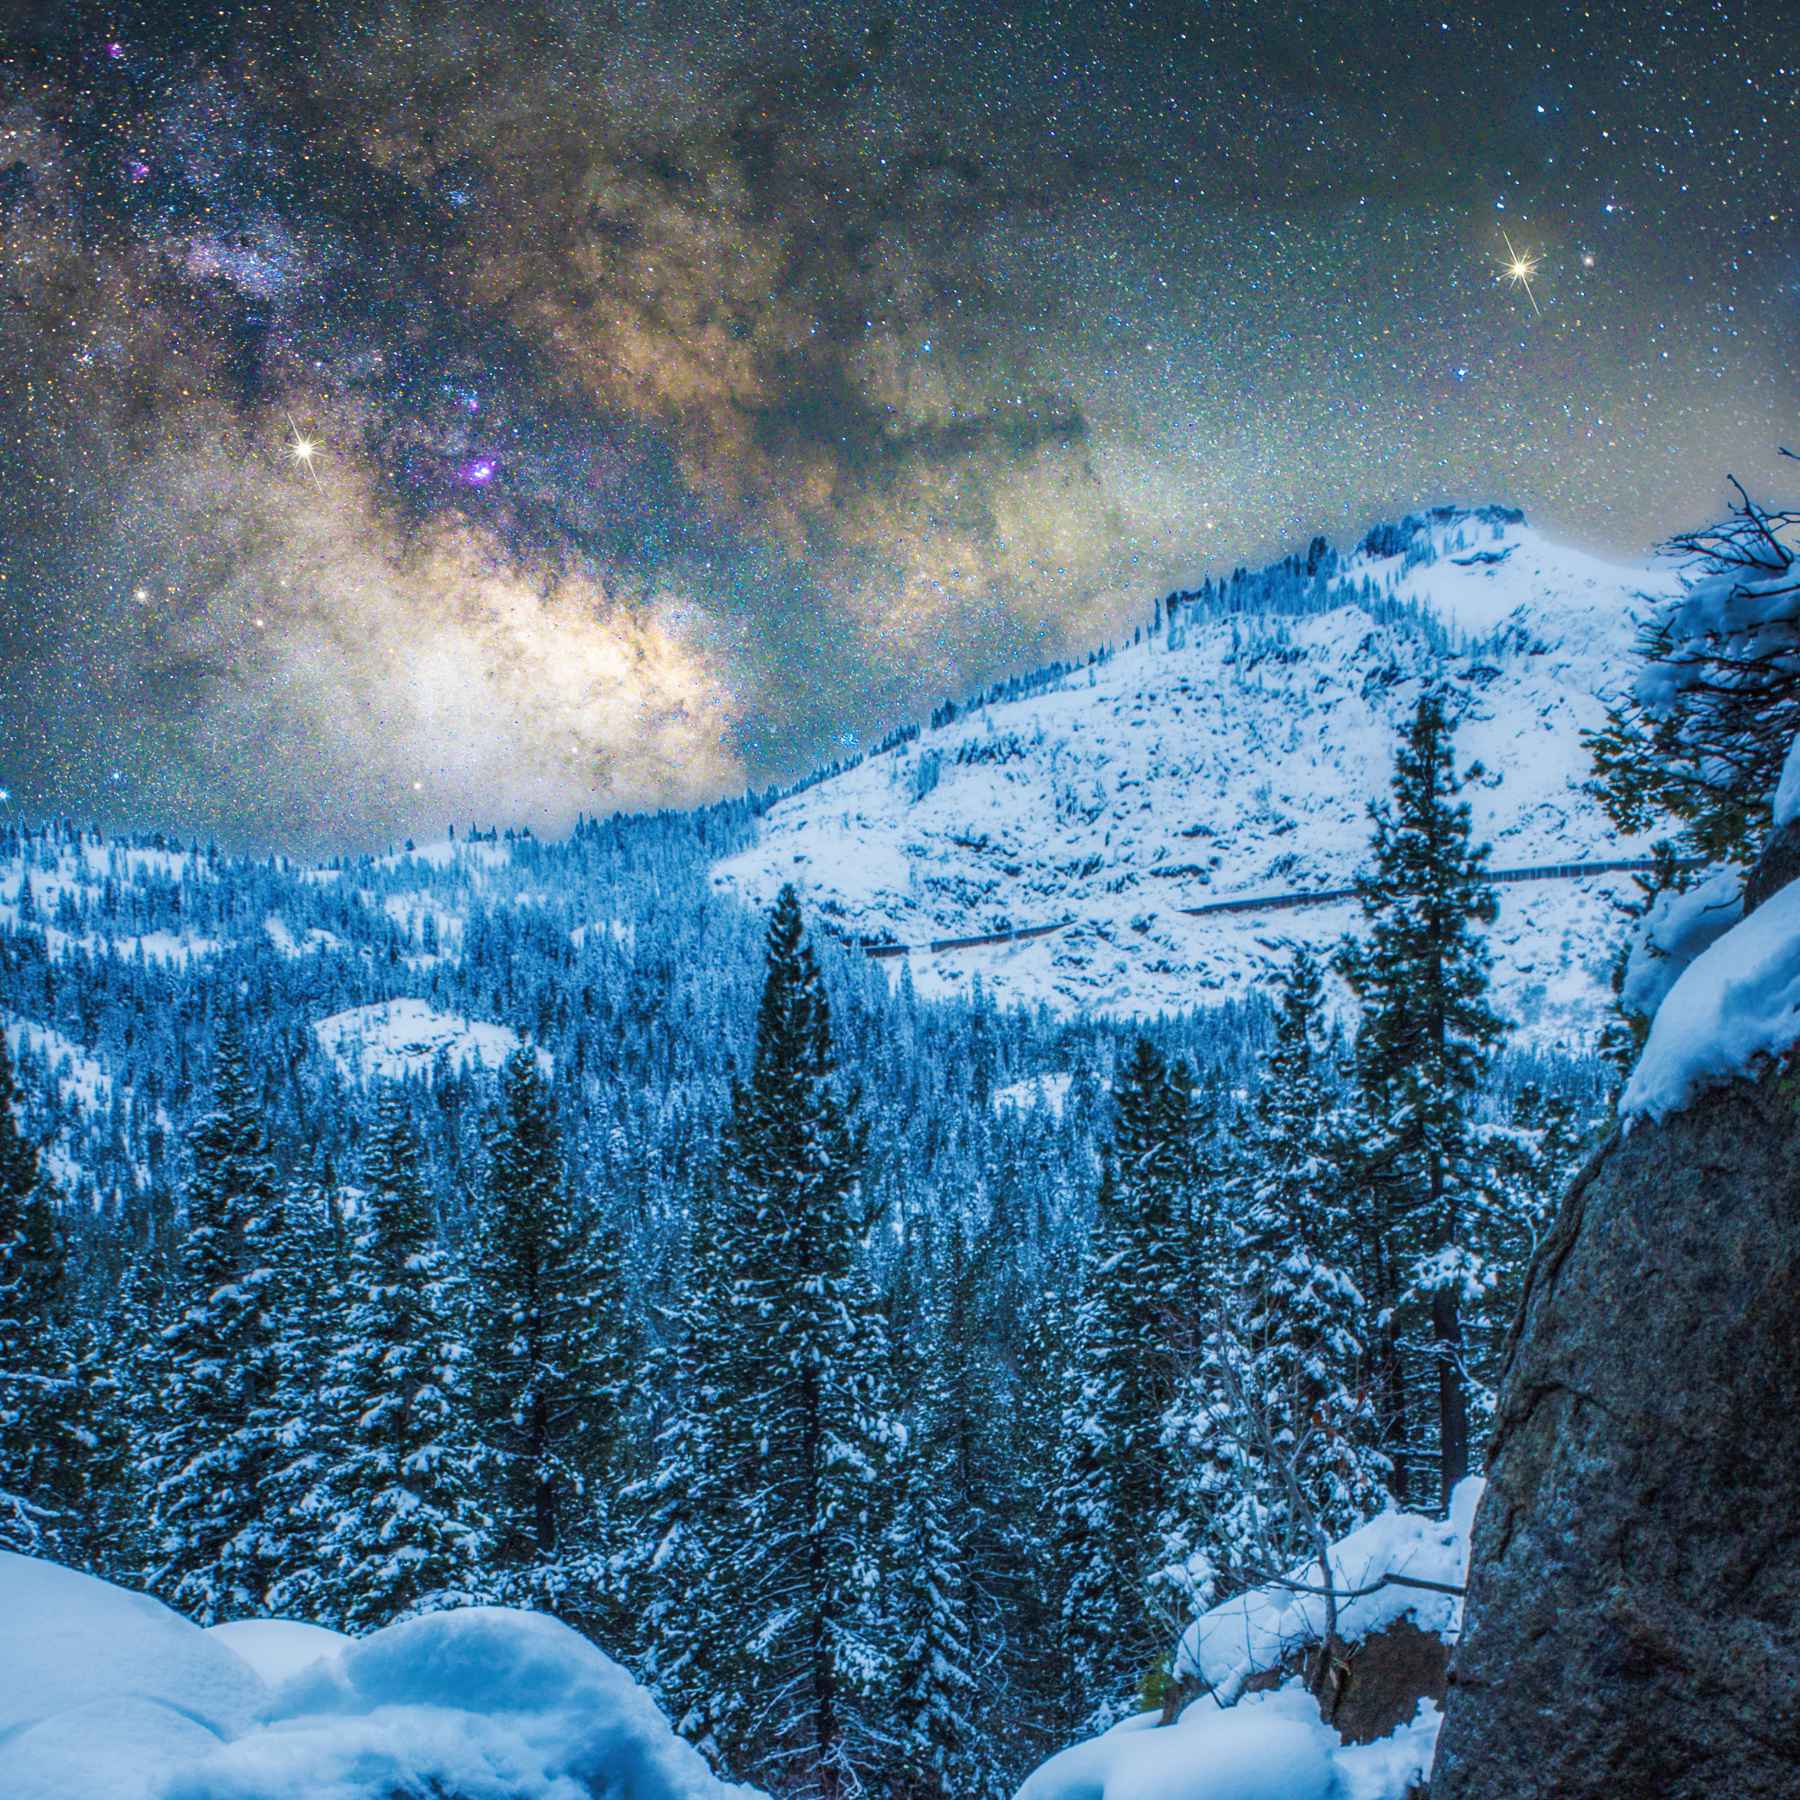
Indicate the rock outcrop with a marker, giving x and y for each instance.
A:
(1633, 1622)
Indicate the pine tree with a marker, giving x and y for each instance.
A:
(401, 1531)
(1426, 1034)
(681, 1580)
(1277, 1433)
(552, 1367)
(795, 1371)
(1134, 1321)
(40, 1441)
(216, 1367)
(940, 1751)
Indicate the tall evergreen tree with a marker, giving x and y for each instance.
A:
(401, 1530)
(551, 1356)
(940, 1750)
(1134, 1321)
(39, 1441)
(216, 1367)
(1277, 1430)
(795, 1368)
(1421, 974)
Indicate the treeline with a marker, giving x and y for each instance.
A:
(879, 1488)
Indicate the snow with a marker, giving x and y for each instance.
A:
(277, 1648)
(1735, 1004)
(1046, 1092)
(1269, 1747)
(1229, 1745)
(396, 1039)
(1679, 925)
(103, 1692)
(1235, 757)
(1787, 791)
(1257, 1629)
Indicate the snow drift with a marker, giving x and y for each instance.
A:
(104, 1692)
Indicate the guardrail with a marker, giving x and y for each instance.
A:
(1564, 871)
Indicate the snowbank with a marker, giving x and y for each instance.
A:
(1737, 1002)
(1678, 927)
(1274, 1746)
(103, 1692)
(1270, 1747)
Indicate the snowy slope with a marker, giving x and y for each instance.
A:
(1232, 754)
(398, 1039)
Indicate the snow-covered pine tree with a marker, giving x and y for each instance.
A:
(1276, 1433)
(939, 1750)
(305, 1297)
(552, 1357)
(800, 1373)
(216, 1367)
(1426, 1034)
(680, 1577)
(39, 1442)
(1134, 1318)
(400, 1529)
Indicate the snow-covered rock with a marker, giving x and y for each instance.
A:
(1257, 1630)
(1233, 1745)
(1736, 1003)
(104, 1693)
(395, 1039)
(1233, 754)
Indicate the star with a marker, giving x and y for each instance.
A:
(304, 451)
(1517, 269)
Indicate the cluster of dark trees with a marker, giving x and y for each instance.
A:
(877, 1486)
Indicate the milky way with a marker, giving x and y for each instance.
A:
(687, 392)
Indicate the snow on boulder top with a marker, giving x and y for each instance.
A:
(1735, 1004)
(1230, 757)
(1257, 1630)
(394, 1039)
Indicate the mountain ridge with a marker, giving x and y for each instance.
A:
(1231, 748)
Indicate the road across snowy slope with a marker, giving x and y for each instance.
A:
(1263, 903)
(1098, 839)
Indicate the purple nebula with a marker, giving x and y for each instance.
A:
(478, 471)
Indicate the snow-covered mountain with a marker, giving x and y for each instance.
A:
(1229, 751)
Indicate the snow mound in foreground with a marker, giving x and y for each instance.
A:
(1736, 1003)
(1270, 1747)
(107, 1693)
(1274, 1745)
(103, 1691)
(277, 1648)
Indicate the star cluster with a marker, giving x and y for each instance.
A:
(423, 411)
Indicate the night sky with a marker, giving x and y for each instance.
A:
(416, 413)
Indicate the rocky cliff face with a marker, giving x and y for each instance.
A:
(1634, 1609)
